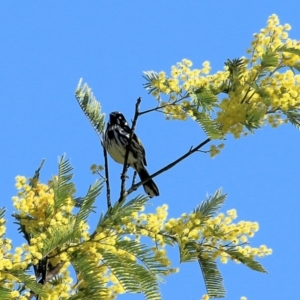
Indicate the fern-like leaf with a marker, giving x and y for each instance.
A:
(212, 277)
(150, 76)
(293, 117)
(144, 255)
(204, 99)
(5, 294)
(87, 203)
(235, 67)
(210, 127)
(91, 107)
(188, 251)
(132, 276)
(56, 237)
(288, 50)
(269, 59)
(121, 210)
(254, 118)
(28, 281)
(62, 187)
(210, 206)
(245, 260)
(2, 213)
(87, 270)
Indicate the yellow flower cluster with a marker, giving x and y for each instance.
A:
(277, 92)
(183, 80)
(264, 90)
(217, 235)
(36, 209)
(41, 218)
(215, 150)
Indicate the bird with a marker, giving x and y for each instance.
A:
(115, 141)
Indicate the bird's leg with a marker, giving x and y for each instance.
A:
(123, 174)
(133, 178)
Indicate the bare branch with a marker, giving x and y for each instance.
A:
(169, 166)
(123, 175)
(165, 105)
(133, 178)
(36, 176)
(106, 177)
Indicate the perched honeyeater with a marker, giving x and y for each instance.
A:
(116, 139)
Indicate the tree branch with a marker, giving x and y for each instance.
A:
(49, 276)
(106, 177)
(169, 166)
(165, 105)
(123, 193)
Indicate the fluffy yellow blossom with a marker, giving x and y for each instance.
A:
(260, 88)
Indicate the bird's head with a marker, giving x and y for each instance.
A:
(117, 118)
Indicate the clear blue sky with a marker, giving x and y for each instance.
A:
(47, 46)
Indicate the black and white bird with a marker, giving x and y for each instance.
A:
(116, 139)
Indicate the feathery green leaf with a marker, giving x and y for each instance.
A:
(91, 107)
(210, 127)
(150, 76)
(5, 294)
(56, 237)
(93, 286)
(269, 59)
(292, 50)
(29, 282)
(62, 187)
(87, 204)
(212, 277)
(293, 117)
(121, 210)
(132, 276)
(204, 99)
(245, 260)
(210, 206)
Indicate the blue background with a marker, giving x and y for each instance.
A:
(47, 46)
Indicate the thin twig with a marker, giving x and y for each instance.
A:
(169, 166)
(106, 178)
(36, 176)
(123, 175)
(133, 178)
(165, 105)
(49, 276)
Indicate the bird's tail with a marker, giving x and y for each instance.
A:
(150, 187)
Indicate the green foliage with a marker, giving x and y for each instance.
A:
(62, 187)
(235, 68)
(28, 281)
(204, 99)
(286, 49)
(150, 76)
(137, 275)
(121, 210)
(208, 208)
(5, 294)
(88, 286)
(269, 59)
(58, 237)
(91, 107)
(253, 118)
(209, 126)
(245, 260)
(2, 214)
(87, 203)
(212, 277)
(293, 117)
